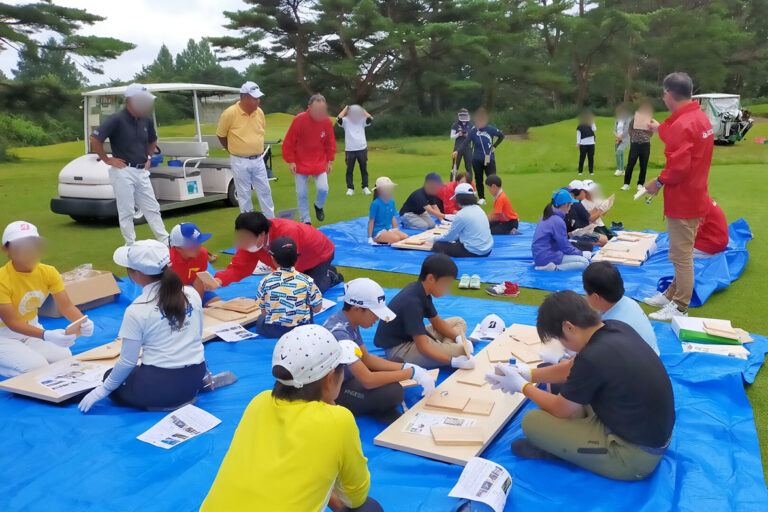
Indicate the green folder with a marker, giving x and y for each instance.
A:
(703, 337)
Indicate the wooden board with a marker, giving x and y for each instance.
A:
(74, 327)
(239, 305)
(223, 315)
(629, 248)
(109, 351)
(210, 321)
(471, 377)
(503, 352)
(422, 241)
(207, 279)
(457, 436)
(409, 383)
(469, 348)
(447, 400)
(524, 333)
(505, 406)
(479, 406)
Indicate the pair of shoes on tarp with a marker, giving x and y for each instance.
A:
(469, 283)
(505, 289)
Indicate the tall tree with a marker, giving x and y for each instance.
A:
(162, 68)
(50, 61)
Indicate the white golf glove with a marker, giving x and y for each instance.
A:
(422, 378)
(59, 337)
(510, 382)
(370, 241)
(459, 339)
(97, 394)
(552, 353)
(587, 254)
(524, 370)
(86, 328)
(463, 362)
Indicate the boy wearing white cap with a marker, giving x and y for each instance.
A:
(24, 285)
(470, 232)
(294, 449)
(133, 138)
(382, 215)
(165, 325)
(371, 383)
(241, 132)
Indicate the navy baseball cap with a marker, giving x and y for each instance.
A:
(187, 234)
(283, 246)
(433, 176)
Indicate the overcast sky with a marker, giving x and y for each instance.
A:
(147, 24)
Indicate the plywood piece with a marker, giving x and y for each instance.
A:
(457, 436)
(471, 377)
(718, 325)
(469, 349)
(525, 353)
(447, 400)
(499, 353)
(240, 305)
(517, 350)
(74, 327)
(422, 241)
(744, 336)
(108, 351)
(223, 315)
(209, 321)
(409, 383)
(478, 406)
(207, 279)
(524, 333)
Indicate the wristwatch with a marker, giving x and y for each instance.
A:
(659, 184)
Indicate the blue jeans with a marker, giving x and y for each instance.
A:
(573, 262)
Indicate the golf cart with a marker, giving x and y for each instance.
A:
(729, 122)
(182, 172)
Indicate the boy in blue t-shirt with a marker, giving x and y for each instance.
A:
(382, 217)
(483, 149)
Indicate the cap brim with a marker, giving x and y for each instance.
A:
(203, 237)
(384, 313)
(252, 95)
(349, 351)
(121, 256)
(573, 200)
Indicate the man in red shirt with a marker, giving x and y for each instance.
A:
(688, 144)
(712, 236)
(310, 148)
(253, 234)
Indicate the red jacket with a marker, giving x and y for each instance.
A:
(309, 144)
(688, 144)
(712, 236)
(446, 193)
(313, 246)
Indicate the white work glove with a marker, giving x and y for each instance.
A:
(587, 254)
(422, 378)
(459, 339)
(524, 370)
(99, 393)
(552, 353)
(511, 382)
(463, 362)
(448, 217)
(59, 337)
(370, 241)
(86, 328)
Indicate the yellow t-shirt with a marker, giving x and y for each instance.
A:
(244, 133)
(27, 290)
(289, 456)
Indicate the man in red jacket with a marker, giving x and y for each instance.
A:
(253, 234)
(688, 144)
(712, 236)
(310, 148)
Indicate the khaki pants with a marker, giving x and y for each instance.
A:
(583, 441)
(682, 235)
(409, 353)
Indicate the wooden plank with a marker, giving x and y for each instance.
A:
(240, 305)
(223, 315)
(109, 351)
(209, 321)
(422, 241)
(524, 333)
(409, 383)
(207, 279)
(469, 349)
(471, 377)
(457, 436)
(447, 400)
(479, 406)
(74, 327)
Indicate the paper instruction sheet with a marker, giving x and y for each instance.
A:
(231, 331)
(327, 304)
(484, 481)
(179, 426)
(421, 423)
(73, 377)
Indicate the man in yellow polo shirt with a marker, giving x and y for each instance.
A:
(241, 132)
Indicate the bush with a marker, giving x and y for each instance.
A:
(20, 132)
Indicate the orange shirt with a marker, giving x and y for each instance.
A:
(503, 208)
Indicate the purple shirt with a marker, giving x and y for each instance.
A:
(550, 240)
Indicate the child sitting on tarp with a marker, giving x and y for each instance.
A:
(449, 189)
(615, 411)
(188, 257)
(712, 235)
(165, 325)
(407, 339)
(417, 210)
(583, 220)
(287, 298)
(382, 215)
(372, 383)
(550, 247)
(294, 449)
(24, 285)
(470, 234)
(503, 220)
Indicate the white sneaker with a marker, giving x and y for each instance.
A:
(350, 192)
(367, 191)
(640, 187)
(668, 312)
(618, 172)
(481, 201)
(624, 187)
(658, 301)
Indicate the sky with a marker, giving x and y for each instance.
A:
(147, 24)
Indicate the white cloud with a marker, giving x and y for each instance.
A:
(147, 24)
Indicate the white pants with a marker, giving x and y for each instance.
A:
(252, 173)
(132, 187)
(302, 193)
(21, 354)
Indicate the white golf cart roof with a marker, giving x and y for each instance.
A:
(202, 89)
(716, 96)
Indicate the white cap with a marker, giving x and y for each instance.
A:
(463, 188)
(310, 352)
(384, 182)
(149, 257)
(18, 230)
(366, 293)
(576, 185)
(589, 185)
(136, 90)
(489, 328)
(251, 88)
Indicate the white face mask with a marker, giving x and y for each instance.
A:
(254, 248)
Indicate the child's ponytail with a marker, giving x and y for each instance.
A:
(171, 299)
(548, 211)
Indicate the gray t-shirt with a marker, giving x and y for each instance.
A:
(341, 329)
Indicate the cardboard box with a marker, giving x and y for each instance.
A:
(87, 289)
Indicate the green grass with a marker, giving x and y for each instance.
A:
(531, 170)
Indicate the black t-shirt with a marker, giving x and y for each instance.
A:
(626, 384)
(412, 305)
(418, 200)
(577, 217)
(129, 136)
(460, 126)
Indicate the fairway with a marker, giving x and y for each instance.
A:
(531, 169)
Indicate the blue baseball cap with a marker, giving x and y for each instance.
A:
(433, 176)
(561, 197)
(187, 234)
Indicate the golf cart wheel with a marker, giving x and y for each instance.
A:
(83, 219)
(232, 194)
(138, 217)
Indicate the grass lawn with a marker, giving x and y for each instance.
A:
(531, 170)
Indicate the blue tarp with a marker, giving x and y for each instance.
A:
(55, 459)
(511, 260)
